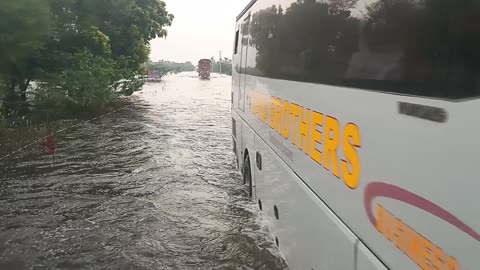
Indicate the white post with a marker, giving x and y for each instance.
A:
(220, 63)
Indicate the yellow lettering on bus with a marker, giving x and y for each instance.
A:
(400, 232)
(351, 141)
(415, 248)
(254, 100)
(286, 119)
(259, 104)
(419, 249)
(389, 226)
(452, 264)
(278, 115)
(265, 108)
(273, 106)
(439, 258)
(304, 131)
(426, 262)
(332, 135)
(403, 236)
(380, 219)
(309, 129)
(294, 112)
(316, 137)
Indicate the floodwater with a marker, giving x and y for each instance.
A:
(153, 185)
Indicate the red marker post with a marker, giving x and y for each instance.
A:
(51, 146)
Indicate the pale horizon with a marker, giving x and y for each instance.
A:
(199, 31)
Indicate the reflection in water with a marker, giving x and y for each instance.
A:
(421, 47)
(153, 186)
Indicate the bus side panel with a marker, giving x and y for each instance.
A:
(238, 129)
(245, 143)
(417, 177)
(366, 260)
(424, 162)
(237, 137)
(309, 235)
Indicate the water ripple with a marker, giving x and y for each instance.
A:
(152, 186)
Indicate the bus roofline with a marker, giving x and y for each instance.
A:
(246, 9)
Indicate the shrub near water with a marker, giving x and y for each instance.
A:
(26, 132)
(87, 84)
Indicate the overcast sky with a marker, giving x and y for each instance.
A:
(200, 29)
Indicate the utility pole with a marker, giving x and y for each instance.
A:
(220, 52)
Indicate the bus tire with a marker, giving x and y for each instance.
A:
(247, 175)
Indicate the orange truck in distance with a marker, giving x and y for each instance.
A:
(204, 67)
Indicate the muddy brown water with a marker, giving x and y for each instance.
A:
(151, 186)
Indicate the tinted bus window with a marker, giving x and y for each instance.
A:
(418, 47)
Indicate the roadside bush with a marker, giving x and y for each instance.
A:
(87, 84)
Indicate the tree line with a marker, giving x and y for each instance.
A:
(79, 53)
(164, 67)
(225, 63)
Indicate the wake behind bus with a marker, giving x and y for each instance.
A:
(354, 125)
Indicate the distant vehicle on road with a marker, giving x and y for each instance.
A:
(204, 67)
(154, 76)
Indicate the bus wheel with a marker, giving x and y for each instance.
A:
(247, 176)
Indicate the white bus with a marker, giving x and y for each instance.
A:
(355, 127)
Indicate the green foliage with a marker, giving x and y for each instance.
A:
(127, 80)
(225, 63)
(85, 53)
(2, 92)
(24, 26)
(86, 83)
(129, 24)
(167, 66)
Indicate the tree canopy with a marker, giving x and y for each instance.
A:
(77, 49)
(24, 28)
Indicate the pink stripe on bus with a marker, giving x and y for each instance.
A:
(379, 189)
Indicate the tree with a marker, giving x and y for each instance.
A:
(68, 44)
(24, 27)
(87, 82)
(129, 24)
(225, 63)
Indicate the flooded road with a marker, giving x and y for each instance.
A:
(151, 186)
